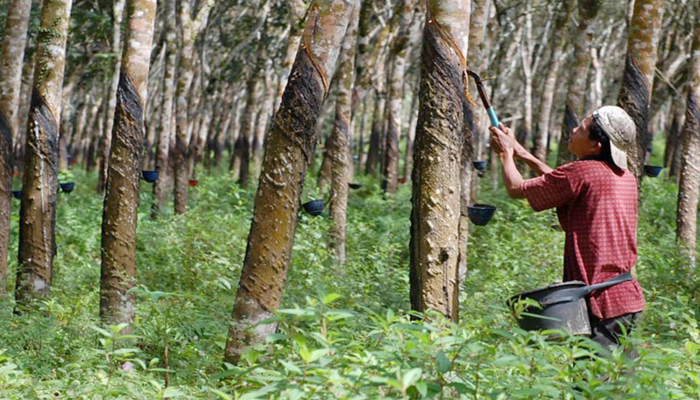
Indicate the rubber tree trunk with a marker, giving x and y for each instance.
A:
(376, 135)
(690, 165)
(190, 30)
(117, 17)
(399, 56)
(340, 146)
(638, 77)
(563, 13)
(120, 215)
(160, 187)
(263, 119)
(575, 95)
(436, 171)
(674, 142)
(37, 241)
(288, 150)
(13, 44)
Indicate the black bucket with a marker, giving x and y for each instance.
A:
(149, 176)
(480, 214)
(652, 171)
(313, 207)
(355, 185)
(67, 187)
(17, 194)
(562, 306)
(479, 165)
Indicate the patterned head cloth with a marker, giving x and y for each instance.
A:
(620, 129)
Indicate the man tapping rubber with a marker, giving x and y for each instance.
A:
(596, 202)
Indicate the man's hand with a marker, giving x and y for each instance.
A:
(503, 140)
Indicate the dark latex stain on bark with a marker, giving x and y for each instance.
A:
(441, 84)
(693, 111)
(634, 99)
(121, 199)
(41, 147)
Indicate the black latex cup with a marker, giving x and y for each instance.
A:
(313, 207)
(480, 214)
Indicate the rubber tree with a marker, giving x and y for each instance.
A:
(339, 143)
(37, 240)
(190, 29)
(117, 17)
(167, 107)
(690, 165)
(436, 171)
(119, 217)
(288, 152)
(13, 45)
(638, 78)
(576, 91)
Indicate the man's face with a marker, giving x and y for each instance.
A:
(579, 142)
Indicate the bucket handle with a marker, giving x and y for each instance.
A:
(573, 294)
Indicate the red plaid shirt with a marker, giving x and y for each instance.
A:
(597, 208)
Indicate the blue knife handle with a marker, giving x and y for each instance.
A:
(492, 116)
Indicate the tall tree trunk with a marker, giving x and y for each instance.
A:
(37, 241)
(263, 120)
(160, 187)
(673, 137)
(436, 172)
(638, 77)
(575, 95)
(190, 31)
(13, 44)
(288, 150)
(690, 169)
(340, 146)
(399, 56)
(410, 137)
(542, 131)
(117, 17)
(120, 215)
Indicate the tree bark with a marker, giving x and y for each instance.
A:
(690, 167)
(287, 153)
(37, 241)
(638, 77)
(13, 45)
(575, 95)
(340, 146)
(436, 172)
(120, 215)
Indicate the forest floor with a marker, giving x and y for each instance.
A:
(343, 332)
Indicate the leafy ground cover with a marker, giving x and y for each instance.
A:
(343, 332)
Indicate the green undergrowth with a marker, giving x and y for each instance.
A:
(344, 332)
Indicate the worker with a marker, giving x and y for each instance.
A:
(596, 202)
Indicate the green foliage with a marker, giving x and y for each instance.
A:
(343, 332)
